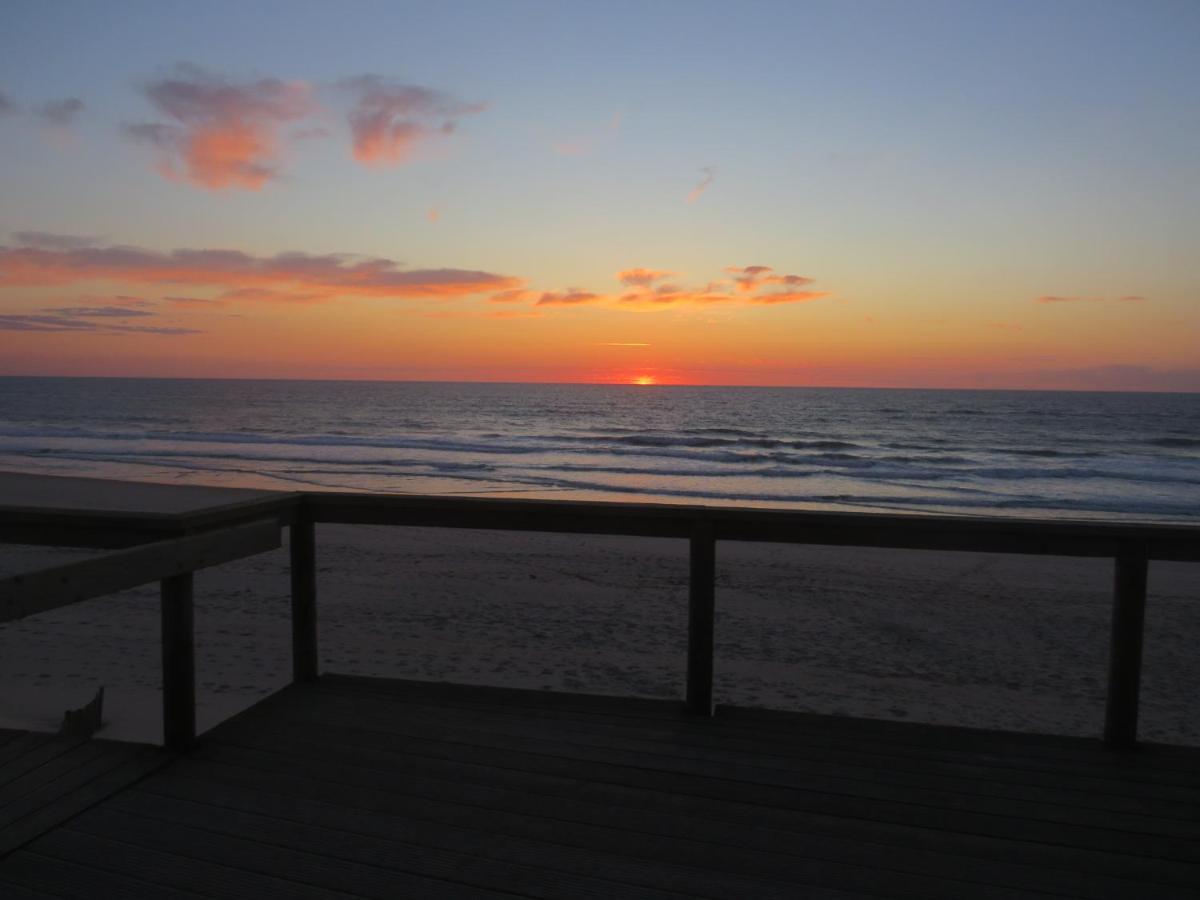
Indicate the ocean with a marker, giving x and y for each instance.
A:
(1040, 454)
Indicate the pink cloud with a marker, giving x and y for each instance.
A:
(642, 276)
(516, 296)
(302, 277)
(222, 135)
(708, 176)
(390, 119)
(569, 297)
(751, 278)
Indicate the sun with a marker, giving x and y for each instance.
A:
(644, 380)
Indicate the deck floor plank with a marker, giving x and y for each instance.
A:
(359, 787)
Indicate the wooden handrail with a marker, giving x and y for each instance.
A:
(47, 589)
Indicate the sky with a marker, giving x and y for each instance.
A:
(918, 194)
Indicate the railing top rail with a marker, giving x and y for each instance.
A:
(895, 530)
(46, 589)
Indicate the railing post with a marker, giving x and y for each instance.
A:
(178, 663)
(305, 663)
(701, 596)
(1125, 649)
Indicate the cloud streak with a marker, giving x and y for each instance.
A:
(708, 176)
(389, 119)
(220, 134)
(1052, 298)
(298, 277)
(87, 320)
(60, 113)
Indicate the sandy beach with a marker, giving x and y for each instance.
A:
(957, 638)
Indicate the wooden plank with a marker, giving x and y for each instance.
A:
(383, 779)
(32, 872)
(701, 607)
(839, 854)
(29, 593)
(178, 664)
(1103, 774)
(967, 796)
(946, 810)
(416, 848)
(907, 531)
(306, 662)
(1125, 649)
(56, 803)
(48, 765)
(178, 872)
(688, 744)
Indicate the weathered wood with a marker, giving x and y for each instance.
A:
(1125, 648)
(701, 612)
(40, 591)
(305, 660)
(179, 664)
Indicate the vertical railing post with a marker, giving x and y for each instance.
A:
(701, 606)
(305, 664)
(178, 663)
(1125, 649)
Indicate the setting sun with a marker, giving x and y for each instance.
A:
(644, 380)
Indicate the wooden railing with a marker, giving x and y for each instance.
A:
(172, 563)
(1132, 546)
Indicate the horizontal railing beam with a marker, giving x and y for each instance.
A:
(908, 532)
(47, 589)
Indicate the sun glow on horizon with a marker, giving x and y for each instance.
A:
(644, 380)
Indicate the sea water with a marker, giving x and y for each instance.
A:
(1045, 454)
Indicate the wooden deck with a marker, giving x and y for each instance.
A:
(47, 779)
(355, 787)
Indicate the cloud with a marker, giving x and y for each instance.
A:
(708, 176)
(753, 285)
(60, 113)
(750, 278)
(642, 276)
(390, 119)
(621, 344)
(7, 104)
(585, 144)
(99, 312)
(569, 297)
(297, 275)
(517, 296)
(1057, 299)
(222, 134)
(194, 301)
(433, 214)
(84, 320)
(48, 241)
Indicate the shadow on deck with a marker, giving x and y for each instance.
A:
(357, 787)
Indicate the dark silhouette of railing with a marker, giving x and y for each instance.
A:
(247, 528)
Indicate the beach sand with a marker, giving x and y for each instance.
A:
(983, 640)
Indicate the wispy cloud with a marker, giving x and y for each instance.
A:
(514, 296)
(621, 344)
(91, 320)
(433, 214)
(642, 276)
(569, 297)
(7, 104)
(221, 134)
(60, 113)
(1050, 298)
(296, 274)
(390, 119)
(49, 241)
(644, 288)
(99, 312)
(708, 176)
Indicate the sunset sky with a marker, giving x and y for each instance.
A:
(926, 194)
